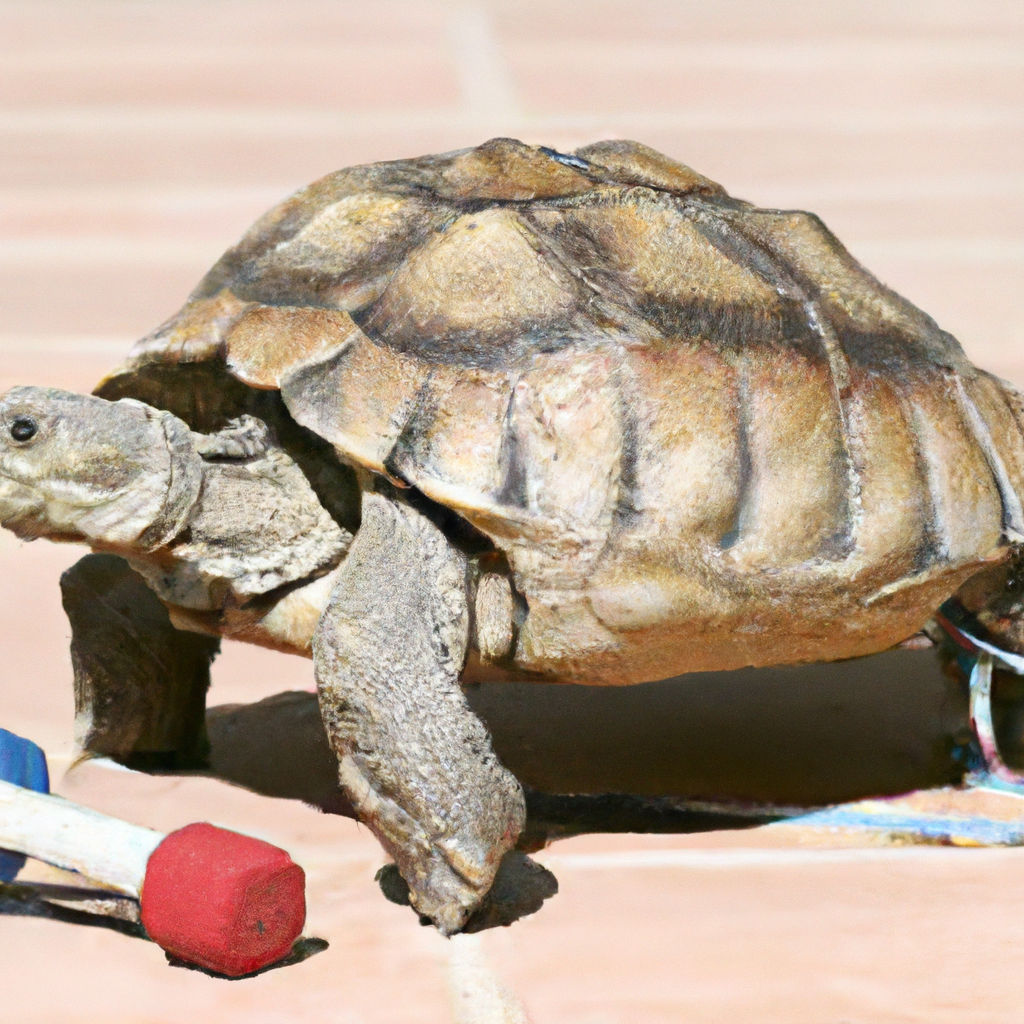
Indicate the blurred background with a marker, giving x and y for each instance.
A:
(139, 139)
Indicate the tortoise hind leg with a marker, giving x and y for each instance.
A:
(415, 761)
(140, 684)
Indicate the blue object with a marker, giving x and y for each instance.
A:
(23, 764)
(944, 828)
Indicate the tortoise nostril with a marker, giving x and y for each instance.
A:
(24, 428)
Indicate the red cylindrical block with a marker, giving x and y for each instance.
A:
(225, 901)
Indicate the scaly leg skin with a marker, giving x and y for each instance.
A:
(415, 761)
(140, 684)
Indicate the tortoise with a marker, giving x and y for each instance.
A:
(514, 414)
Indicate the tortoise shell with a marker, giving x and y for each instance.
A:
(701, 434)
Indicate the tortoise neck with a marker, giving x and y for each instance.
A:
(186, 480)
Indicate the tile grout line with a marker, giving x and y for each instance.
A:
(486, 83)
(479, 114)
(731, 858)
(478, 995)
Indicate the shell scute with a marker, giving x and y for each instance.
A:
(966, 511)
(633, 163)
(876, 327)
(794, 505)
(534, 457)
(341, 256)
(892, 505)
(451, 448)
(359, 398)
(335, 241)
(664, 406)
(654, 257)
(195, 333)
(474, 294)
(683, 470)
(268, 343)
(1001, 434)
(344, 255)
(507, 170)
(565, 449)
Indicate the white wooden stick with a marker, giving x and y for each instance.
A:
(227, 902)
(52, 829)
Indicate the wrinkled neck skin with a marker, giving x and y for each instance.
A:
(183, 485)
(225, 528)
(258, 555)
(228, 534)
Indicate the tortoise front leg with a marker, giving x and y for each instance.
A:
(140, 684)
(415, 761)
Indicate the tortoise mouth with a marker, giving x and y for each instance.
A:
(74, 467)
(22, 509)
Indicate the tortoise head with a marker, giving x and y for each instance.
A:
(79, 468)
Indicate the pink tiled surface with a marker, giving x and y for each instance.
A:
(138, 140)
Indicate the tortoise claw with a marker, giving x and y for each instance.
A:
(520, 888)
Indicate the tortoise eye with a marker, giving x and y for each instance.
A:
(23, 428)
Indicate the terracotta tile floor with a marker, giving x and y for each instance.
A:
(138, 140)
